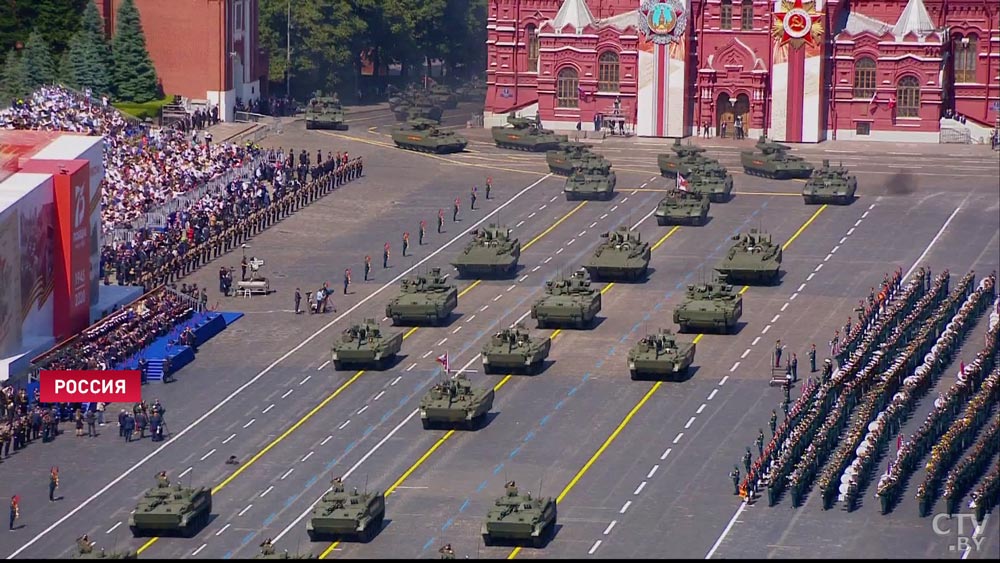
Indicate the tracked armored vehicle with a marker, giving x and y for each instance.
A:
(165, 510)
(348, 516)
(588, 182)
(520, 518)
(712, 181)
(325, 112)
(622, 257)
(830, 184)
(366, 345)
(513, 350)
(85, 550)
(493, 252)
(682, 159)
(773, 161)
(709, 306)
(422, 135)
(443, 96)
(682, 208)
(455, 402)
(526, 135)
(418, 108)
(567, 302)
(422, 299)
(660, 355)
(572, 155)
(753, 259)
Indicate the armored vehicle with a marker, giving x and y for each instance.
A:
(572, 155)
(830, 184)
(423, 299)
(492, 252)
(709, 306)
(165, 509)
(513, 350)
(684, 157)
(660, 355)
(517, 517)
(526, 135)
(682, 207)
(418, 108)
(267, 551)
(422, 135)
(455, 401)
(325, 112)
(344, 515)
(712, 181)
(588, 182)
(773, 161)
(85, 550)
(622, 257)
(567, 301)
(442, 96)
(754, 258)
(366, 344)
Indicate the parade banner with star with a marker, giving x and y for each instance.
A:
(797, 66)
(662, 67)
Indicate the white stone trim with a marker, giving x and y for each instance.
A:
(891, 136)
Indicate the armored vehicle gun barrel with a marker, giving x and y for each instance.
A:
(660, 355)
(366, 344)
(513, 350)
(519, 518)
(624, 256)
(567, 302)
(347, 515)
(493, 252)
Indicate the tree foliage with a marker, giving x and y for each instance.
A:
(56, 20)
(13, 80)
(39, 68)
(89, 60)
(134, 73)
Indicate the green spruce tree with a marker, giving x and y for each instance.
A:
(14, 81)
(134, 74)
(89, 55)
(39, 68)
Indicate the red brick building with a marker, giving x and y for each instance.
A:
(800, 71)
(202, 49)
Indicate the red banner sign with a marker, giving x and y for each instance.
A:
(86, 386)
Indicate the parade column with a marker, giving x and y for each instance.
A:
(662, 104)
(796, 71)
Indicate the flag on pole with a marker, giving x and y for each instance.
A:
(892, 102)
(582, 93)
(443, 360)
(899, 442)
(682, 183)
(873, 101)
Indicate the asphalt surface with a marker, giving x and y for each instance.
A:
(657, 488)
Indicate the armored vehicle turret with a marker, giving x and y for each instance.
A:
(419, 107)
(526, 135)
(773, 161)
(348, 516)
(588, 182)
(682, 208)
(513, 350)
(622, 257)
(366, 344)
(683, 157)
(572, 155)
(709, 306)
(442, 96)
(85, 550)
(520, 518)
(426, 298)
(493, 252)
(754, 258)
(830, 184)
(660, 355)
(422, 135)
(325, 112)
(165, 509)
(711, 180)
(455, 401)
(567, 302)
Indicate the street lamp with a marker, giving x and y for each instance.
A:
(288, 51)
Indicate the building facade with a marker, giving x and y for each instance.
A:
(202, 49)
(797, 70)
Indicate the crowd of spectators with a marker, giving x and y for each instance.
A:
(275, 106)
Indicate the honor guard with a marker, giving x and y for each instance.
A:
(423, 231)
(795, 367)
(347, 279)
(368, 266)
(489, 186)
(777, 353)
(735, 476)
(746, 459)
(454, 210)
(385, 256)
(472, 197)
(760, 442)
(774, 421)
(440, 221)
(406, 242)
(812, 359)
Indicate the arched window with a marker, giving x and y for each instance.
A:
(726, 15)
(746, 15)
(532, 34)
(567, 95)
(864, 78)
(965, 58)
(607, 72)
(908, 97)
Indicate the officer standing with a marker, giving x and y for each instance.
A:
(347, 279)
(472, 197)
(368, 266)
(298, 299)
(795, 367)
(735, 476)
(53, 483)
(423, 231)
(406, 242)
(777, 353)
(15, 510)
(812, 359)
(454, 210)
(760, 442)
(774, 421)
(746, 459)
(385, 256)
(489, 186)
(440, 221)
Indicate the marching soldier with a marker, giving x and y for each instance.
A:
(812, 359)
(385, 256)
(774, 421)
(406, 242)
(489, 186)
(368, 266)
(53, 483)
(423, 231)
(454, 210)
(472, 196)
(347, 279)
(746, 459)
(735, 476)
(760, 442)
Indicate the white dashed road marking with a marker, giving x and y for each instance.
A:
(689, 423)
(652, 472)
(269, 489)
(113, 528)
(247, 425)
(271, 406)
(625, 506)
(639, 488)
(712, 394)
(244, 511)
(227, 440)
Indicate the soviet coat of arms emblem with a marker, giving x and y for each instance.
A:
(662, 21)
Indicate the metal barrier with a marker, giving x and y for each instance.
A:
(954, 135)
(249, 117)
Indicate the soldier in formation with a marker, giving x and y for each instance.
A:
(735, 476)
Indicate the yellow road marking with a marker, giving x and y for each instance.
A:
(663, 239)
(554, 225)
(803, 227)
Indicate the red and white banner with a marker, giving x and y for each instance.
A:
(443, 360)
(682, 183)
(87, 386)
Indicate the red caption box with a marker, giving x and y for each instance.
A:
(86, 386)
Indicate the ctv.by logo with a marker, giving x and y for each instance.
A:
(964, 541)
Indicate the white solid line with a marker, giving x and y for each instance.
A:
(395, 381)
(113, 527)
(308, 377)
(268, 408)
(592, 225)
(413, 365)
(323, 365)
(363, 409)
(625, 506)
(442, 341)
(933, 242)
(610, 527)
(571, 241)
(220, 404)
(665, 454)
(344, 425)
(755, 341)
(244, 511)
(842, 239)
(269, 489)
(287, 473)
(701, 408)
(219, 533)
(725, 532)
(470, 318)
(582, 233)
(204, 457)
(457, 328)
(186, 471)
(522, 278)
(735, 365)
(801, 287)
(766, 328)
(745, 353)
(379, 396)
(810, 277)
(613, 208)
(644, 217)
(794, 295)
(197, 551)
(724, 380)
(497, 298)
(775, 319)
(605, 216)
(325, 440)
(519, 223)
(783, 307)
(308, 455)
(712, 394)
(594, 547)
(429, 352)
(835, 249)
(652, 471)
(247, 425)
(521, 318)
(818, 267)
(639, 488)
(850, 231)
(287, 393)
(512, 286)
(689, 423)
(560, 251)
(535, 269)
(678, 437)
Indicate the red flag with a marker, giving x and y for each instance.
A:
(443, 360)
(682, 183)
(892, 102)
(899, 442)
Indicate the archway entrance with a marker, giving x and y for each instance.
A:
(742, 111)
(725, 116)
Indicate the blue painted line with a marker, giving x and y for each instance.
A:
(464, 506)
(247, 538)
(560, 404)
(290, 500)
(611, 352)
(402, 401)
(385, 416)
(679, 285)
(635, 327)
(228, 555)
(429, 542)
(624, 337)
(598, 364)
(658, 307)
(544, 420)
(350, 447)
(572, 391)
(269, 519)
(481, 486)
(369, 429)
(497, 469)
(312, 481)
(331, 463)
(646, 317)
(586, 376)
(448, 524)
(480, 334)
(514, 452)
(529, 435)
